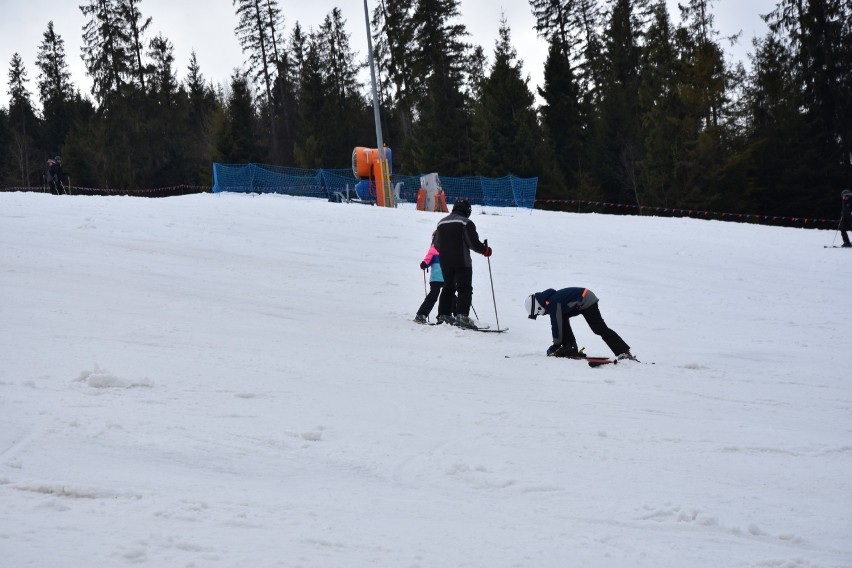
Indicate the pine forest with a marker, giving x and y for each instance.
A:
(638, 106)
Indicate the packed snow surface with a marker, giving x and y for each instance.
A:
(235, 380)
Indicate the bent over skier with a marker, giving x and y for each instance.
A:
(561, 306)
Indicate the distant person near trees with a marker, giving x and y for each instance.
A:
(846, 217)
(455, 237)
(54, 175)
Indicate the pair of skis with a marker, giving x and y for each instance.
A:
(598, 361)
(483, 328)
(592, 361)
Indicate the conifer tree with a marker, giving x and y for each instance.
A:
(135, 27)
(588, 20)
(258, 30)
(298, 43)
(704, 71)
(563, 119)
(573, 74)
(55, 90)
(54, 84)
(574, 26)
(338, 59)
(169, 147)
(8, 169)
(255, 31)
(819, 36)
(121, 138)
(204, 107)
(441, 133)
(661, 113)
(507, 137)
(310, 146)
(237, 140)
(284, 110)
(22, 125)
(553, 22)
(105, 53)
(393, 37)
(708, 117)
(164, 84)
(333, 114)
(617, 147)
(781, 151)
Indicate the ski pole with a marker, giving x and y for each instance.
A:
(837, 232)
(474, 311)
(493, 298)
(425, 293)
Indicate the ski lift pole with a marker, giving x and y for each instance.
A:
(425, 291)
(387, 192)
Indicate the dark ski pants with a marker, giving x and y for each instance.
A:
(431, 298)
(456, 280)
(593, 317)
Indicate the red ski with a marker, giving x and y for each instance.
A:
(595, 361)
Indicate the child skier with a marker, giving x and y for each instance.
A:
(436, 282)
(561, 306)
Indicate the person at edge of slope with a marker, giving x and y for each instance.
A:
(846, 217)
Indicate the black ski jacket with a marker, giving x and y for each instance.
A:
(455, 237)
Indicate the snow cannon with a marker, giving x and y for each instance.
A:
(368, 165)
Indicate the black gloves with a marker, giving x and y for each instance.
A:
(423, 266)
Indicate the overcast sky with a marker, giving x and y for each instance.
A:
(207, 26)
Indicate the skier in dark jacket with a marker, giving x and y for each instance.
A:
(846, 217)
(561, 306)
(455, 237)
(55, 175)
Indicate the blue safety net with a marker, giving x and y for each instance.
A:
(507, 191)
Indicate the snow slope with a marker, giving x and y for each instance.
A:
(233, 380)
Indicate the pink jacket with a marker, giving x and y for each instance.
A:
(434, 262)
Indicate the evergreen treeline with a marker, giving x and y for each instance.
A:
(634, 108)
